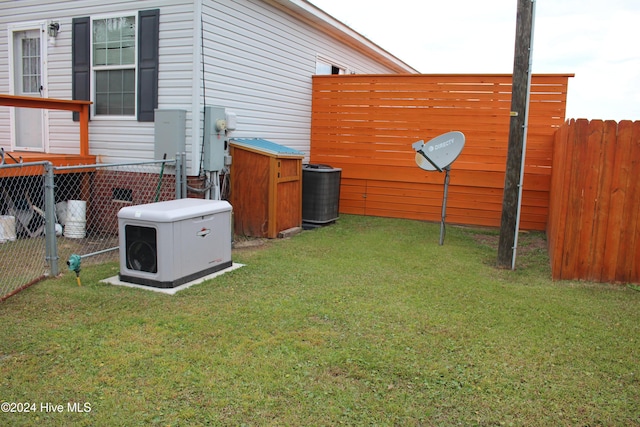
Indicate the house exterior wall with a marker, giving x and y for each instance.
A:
(258, 62)
(113, 140)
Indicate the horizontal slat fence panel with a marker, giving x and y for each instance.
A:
(594, 209)
(365, 124)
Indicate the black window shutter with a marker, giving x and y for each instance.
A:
(81, 57)
(148, 36)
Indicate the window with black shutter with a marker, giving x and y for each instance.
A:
(106, 68)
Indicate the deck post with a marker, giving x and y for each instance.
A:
(84, 130)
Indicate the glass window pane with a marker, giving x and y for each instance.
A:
(34, 65)
(30, 65)
(99, 31)
(128, 28)
(27, 47)
(115, 92)
(114, 44)
(115, 103)
(129, 104)
(100, 54)
(102, 81)
(114, 41)
(114, 29)
(101, 104)
(129, 80)
(113, 53)
(128, 53)
(115, 82)
(322, 68)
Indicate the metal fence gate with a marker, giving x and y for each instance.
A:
(48, 213)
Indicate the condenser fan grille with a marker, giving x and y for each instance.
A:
(141, 248)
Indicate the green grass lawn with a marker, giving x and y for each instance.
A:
(365, 322)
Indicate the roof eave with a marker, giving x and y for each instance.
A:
(312, 15)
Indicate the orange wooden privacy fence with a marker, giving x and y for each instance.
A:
(594, 218)
(365, 124)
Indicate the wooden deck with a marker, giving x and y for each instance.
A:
(77, 106)
(25, 158)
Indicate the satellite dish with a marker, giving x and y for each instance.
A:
(437, 155)
(440, 152)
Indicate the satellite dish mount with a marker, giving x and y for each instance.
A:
(437, 155)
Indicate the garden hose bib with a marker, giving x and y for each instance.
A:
(74, 265)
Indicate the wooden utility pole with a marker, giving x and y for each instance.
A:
(517, 134)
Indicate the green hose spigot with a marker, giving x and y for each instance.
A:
(74, 265)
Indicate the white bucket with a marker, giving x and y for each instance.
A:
(76, 210)
(75, 229)
(7, 228)
(75, 219)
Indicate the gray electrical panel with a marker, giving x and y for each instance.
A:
(170, 129)
(214, 138)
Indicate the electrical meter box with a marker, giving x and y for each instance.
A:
(167, 244)
(215, 126)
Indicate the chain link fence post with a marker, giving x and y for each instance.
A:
(178, 175)
(51, 244)
(183, 175)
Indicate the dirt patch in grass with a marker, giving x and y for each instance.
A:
(245, 243)
(528, 242)
(532, 248)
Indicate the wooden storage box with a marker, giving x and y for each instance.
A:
(265, 188)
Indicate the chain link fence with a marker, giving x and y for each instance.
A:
(48, 214)
(22, 226)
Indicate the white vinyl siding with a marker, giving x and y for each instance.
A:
(110, 139)
(135, 140)
(259, 62)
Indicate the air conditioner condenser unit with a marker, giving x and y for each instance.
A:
(167, 244)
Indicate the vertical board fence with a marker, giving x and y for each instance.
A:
(365, 124)
(594, 218)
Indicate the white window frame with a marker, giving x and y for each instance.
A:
(94, 69)
(330, 63)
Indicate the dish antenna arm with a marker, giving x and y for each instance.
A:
(438, 168)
